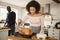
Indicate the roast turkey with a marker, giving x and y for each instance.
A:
(26, 31)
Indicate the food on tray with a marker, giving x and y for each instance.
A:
(3, 28)
(26, 31)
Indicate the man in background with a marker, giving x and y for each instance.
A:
(11, 17)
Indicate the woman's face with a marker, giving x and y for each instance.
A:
(32, 10)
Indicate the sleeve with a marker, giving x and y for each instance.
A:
(25, 18)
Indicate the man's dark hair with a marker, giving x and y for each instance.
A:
(8, 8)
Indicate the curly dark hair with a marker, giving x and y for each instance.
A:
(34, 4)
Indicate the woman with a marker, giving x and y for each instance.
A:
(35, 18)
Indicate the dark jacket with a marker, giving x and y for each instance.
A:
(11, 17)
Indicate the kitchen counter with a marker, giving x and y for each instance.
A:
(33, 38)
(4, 33)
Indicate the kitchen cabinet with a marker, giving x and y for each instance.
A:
(54, 33)
(4, 34)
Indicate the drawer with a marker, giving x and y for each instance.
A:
(50, 31)
(53, 31)
(53, 34)
(50, 34)
(56, 31)
(57, 37)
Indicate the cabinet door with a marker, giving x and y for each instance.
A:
(56, 34)
(57, 37)
(50, 33)
(56, 31)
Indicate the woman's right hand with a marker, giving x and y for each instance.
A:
(20, 22)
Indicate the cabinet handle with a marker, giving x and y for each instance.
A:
(53, 34)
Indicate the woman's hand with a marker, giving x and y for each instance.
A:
(20, 22)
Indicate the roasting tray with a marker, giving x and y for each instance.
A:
(23, 35)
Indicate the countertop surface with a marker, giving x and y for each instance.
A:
(33, 38)
(4, 28)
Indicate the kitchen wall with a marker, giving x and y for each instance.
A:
(55, 10)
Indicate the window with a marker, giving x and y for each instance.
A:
(3, 13)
